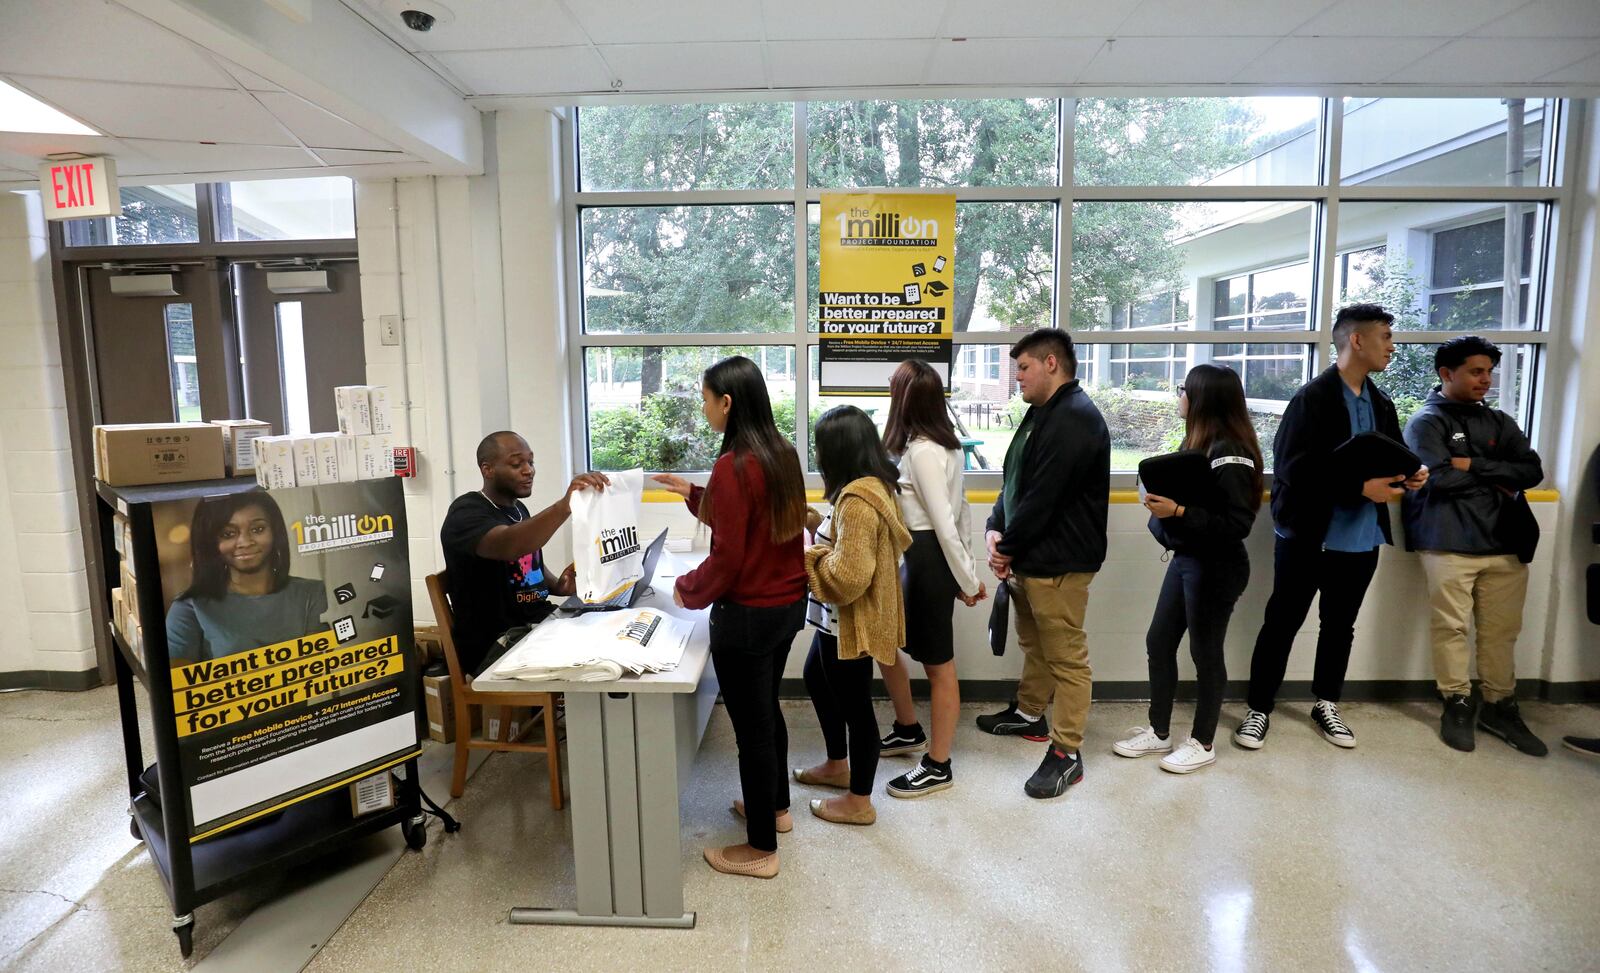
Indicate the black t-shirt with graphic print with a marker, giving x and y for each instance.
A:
(489, 596)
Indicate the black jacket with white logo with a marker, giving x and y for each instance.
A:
(1455, 512)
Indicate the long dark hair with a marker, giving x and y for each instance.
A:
(848, 448)
(1217, 413)
(751, 431)
(917, 408)
(209, 574)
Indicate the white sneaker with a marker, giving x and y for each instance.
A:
(1188, 758)
(1143, 741)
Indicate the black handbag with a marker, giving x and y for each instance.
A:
(1516, 530)
(1000, 618)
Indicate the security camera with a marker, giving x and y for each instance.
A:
(418, 20)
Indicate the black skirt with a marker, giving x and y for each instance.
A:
(930, 592)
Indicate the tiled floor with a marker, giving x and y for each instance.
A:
(1400, 855)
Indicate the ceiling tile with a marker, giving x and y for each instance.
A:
(250, 80)
(657, 22)
(1388, 18)
(686, 67)
(196, 157)
(1547, 18)
(847, 63)
(33, 146)
(544, 70)
(827, 19)
(1045, 60)
(1320, 60)
(99, 41)
(318, 128)
(1219, 18)
(1512, 60)
(161, 112)
(1037, 18)
(351, 157)
(1586, 71)
(481, 25)
(1172, 60)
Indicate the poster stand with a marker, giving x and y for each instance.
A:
(195, 873)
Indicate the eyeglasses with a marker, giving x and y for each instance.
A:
(1181, 392)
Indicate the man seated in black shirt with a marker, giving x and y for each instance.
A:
(492, 549)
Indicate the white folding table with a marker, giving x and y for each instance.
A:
(631, 745)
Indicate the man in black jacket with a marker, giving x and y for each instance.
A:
(1329, 523)
(1480, 462)
(1046, 539)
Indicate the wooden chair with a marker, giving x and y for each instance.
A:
(465, 697)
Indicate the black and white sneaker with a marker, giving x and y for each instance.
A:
(1057, 773)
(903, 739)
(1252, 733)
(1325, 717)
(1009, 722)
(926, 777)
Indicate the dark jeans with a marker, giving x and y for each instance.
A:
(1197, 596)
(841, 690)
(749, 647)
(1300, 570)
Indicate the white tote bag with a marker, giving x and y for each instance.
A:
(605, 537)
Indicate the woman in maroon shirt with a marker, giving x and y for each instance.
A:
(754, 579)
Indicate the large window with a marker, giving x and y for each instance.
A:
(1162, 232)
(315, 208)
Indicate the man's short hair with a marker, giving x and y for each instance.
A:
(1046, 342)
(489, 449)
(1357, 316)
(1455, 352)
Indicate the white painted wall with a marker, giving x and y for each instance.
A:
(512, 371)
(44, 596)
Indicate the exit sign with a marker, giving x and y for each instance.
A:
(76, 188)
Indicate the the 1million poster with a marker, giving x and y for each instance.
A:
(288, 618)
(887, 287)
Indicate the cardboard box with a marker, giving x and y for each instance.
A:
(174, 452)
(429, 645)
(375, 456)
(327, 457)
(440, 706)
(513, 720)
(349, 451)
(306, 465)
(238, 438)
(119, 613)
(119, 533)
(354, 407)
(275, 462)
(379, 407)
(130, 593)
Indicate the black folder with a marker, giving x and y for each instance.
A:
(1370, 455)
(1183, 477)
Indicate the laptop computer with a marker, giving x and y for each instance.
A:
(629, 597)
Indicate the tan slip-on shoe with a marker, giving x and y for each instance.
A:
(763, 867)
(785, 823)
(820, 808)
(805, 776)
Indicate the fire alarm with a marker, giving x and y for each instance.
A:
(405, 461)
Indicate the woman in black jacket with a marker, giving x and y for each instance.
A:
(1209, 567)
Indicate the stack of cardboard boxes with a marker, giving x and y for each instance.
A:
(362, 449)
(125, 599)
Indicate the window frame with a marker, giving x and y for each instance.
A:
(1551, 194)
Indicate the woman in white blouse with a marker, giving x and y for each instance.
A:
(939, 569)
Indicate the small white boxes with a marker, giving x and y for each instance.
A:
(375, 456)
(327, 457)
(275, 466)
(306, 464)
(349, 458)
(378, 408)
(354, 406)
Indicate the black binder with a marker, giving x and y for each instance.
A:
(1183, 477)
(1370, 455)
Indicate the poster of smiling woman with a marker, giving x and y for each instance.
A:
(289, 635)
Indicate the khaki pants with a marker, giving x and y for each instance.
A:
(1055, 652)
(1490, 590)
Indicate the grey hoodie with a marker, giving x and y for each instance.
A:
(1455, 512)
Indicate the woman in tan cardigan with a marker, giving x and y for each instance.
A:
(853, 572)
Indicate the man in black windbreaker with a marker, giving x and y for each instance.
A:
(1328, 521)
(1046, 539)
(1480, 461)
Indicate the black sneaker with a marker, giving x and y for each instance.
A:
(925, 778)
(1588, 746)
(1252, 733)
(1325, 717)
(1055, 774)
(903, 739)
(1455, 724)
(1504, 720)
(1009, 722)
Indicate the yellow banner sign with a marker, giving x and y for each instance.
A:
(887, 289)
